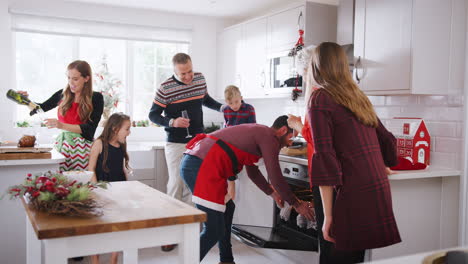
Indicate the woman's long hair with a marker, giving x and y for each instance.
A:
(112, 127)
(329, 66)
(85, 104)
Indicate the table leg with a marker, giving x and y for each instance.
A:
(33, 245)
(55, 251)
(130, 255)
(189, 248)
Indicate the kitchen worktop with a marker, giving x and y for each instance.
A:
(429, 172)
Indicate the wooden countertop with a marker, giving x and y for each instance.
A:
(127, 205)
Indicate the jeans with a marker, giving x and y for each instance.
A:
(224, 244)
(214, 227)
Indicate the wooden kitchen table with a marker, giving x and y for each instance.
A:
(135, 216)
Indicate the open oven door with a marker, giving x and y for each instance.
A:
(268, 237)
(257, 223)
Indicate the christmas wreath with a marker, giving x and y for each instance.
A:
(57, 194)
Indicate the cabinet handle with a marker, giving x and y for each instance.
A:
(356, 75)
(262, 83)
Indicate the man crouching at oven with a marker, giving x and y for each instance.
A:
(213, 158)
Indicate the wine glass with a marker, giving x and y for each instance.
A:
(185, 115)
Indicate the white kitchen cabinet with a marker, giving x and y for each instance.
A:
(228, 59)
(148, 164)
(254, 59)
(283, 29)
(242, 59)
(161, 170)
(408, 47)
(426, 211)
(143, 167)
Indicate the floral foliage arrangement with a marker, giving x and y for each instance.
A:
(55, 193)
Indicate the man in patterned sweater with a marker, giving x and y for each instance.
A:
(185, 90)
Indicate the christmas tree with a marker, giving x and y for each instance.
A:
(109, 87)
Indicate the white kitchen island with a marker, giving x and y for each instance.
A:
(13, 220)
(134, 216)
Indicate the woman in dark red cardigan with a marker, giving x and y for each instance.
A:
(352, 151)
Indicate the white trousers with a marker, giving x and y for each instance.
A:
(175, 185)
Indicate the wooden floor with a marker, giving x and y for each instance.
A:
(243, 254)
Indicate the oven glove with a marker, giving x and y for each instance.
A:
(312, 224)
(301, 221)
(285, 212)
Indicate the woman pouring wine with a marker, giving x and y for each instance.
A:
(79, 113)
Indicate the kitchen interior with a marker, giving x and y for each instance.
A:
(408, 56)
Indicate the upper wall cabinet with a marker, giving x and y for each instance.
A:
(244, 50)
(409, 47)
(283, 28)
(242, 57)
(254, 54)
(229, 59)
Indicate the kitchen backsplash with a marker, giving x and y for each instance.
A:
(443, 116)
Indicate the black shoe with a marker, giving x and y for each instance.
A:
(78, 259)
(167, 248)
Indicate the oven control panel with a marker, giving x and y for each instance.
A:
(295, 171)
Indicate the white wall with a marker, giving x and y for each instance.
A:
(203, 46)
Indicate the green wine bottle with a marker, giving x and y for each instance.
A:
(22, 99)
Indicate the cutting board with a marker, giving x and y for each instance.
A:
(15, 153)
(23, 155)
(15, 149)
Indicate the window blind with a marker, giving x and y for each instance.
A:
(86, 28)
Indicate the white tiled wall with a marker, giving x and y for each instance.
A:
(443, 116)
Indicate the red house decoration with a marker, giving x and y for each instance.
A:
(413, 139)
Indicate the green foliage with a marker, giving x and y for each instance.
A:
(23, 124)
(141, 123)
(46, 196)
(211, 128)
(78, 194)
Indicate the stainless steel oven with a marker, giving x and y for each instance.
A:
(274, 232)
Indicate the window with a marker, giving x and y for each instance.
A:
(41, 62)
(152, 65)
(141, 66)
(111, 52)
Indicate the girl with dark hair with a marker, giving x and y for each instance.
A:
(109, 158)
(79, 113)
